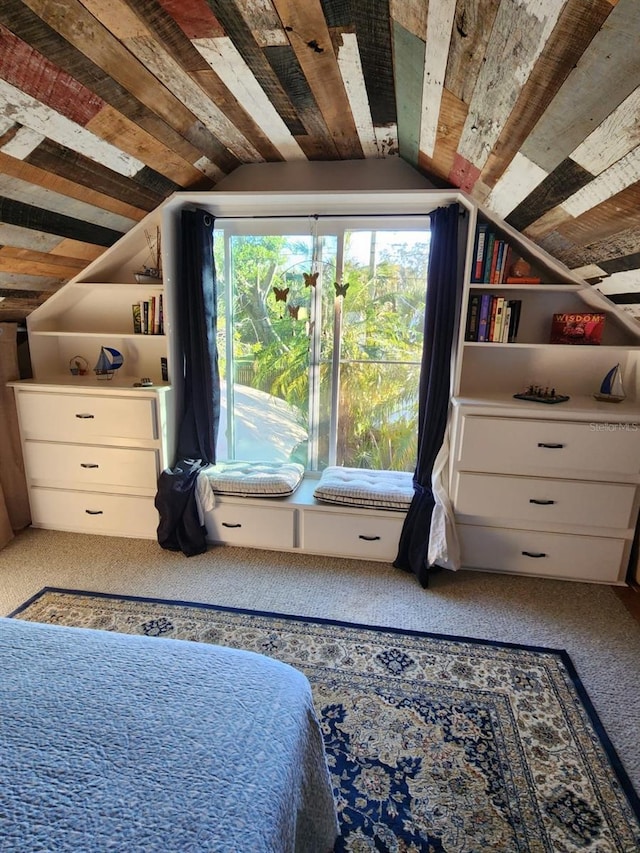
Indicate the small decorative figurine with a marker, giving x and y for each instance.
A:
(611, 390)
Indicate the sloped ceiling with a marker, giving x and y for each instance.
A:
(109, 106)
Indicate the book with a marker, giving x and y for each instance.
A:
(525, 279)
(483, 319)
(496, 334)
(478, 252)
(488, 257)
(137, 318)
(577, 328)
(471, 329)
(144, 311)
(514, 321)
(160, 315)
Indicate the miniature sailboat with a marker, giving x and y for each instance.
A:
(153, 272)
(611, 390)
(108, 362)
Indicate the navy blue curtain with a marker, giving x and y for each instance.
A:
(435, 373)
(196, 326)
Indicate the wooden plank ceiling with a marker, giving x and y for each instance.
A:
(109, 106)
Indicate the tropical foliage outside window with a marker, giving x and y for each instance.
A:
(320, 340)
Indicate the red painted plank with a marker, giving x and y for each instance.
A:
(194, 17)
(28, 70)
(463, 174)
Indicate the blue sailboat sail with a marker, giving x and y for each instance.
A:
(611, 389)
(108, 362)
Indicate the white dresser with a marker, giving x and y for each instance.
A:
(92, 460)
(553, 496)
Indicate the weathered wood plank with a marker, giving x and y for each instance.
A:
(21, 261)
(563, 182)
(23, 143)
(31, 72)
(521, 177)
(577, 25)
(618, 134)
(113, 127)
(308, 25)
(36, 283)
(473, 24)
(62, 54)
(36, 177)
(316, 140)
(517, 40)
(263, 22)
(606, 74)
(408, 51)
(411, 15)
(57, 160)
(373, 32)
(453, 114)
(228, 64)
(551, 221)
(75, 249)
(26, 238)
(607, 184)
(350, 65)
(606, 220)
(42, 119)
(28, 216)
(439, 26)
(239, 32)
(194, 17)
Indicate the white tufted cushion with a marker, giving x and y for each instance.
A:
(269, 479)
(365, 488)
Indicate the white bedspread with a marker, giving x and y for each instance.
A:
(130, 744)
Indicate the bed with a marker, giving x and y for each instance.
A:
(130, 743)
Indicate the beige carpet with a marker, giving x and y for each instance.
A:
(586, 620)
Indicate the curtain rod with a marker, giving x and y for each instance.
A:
(462, 212)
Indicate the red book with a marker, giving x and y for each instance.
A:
(580, 328)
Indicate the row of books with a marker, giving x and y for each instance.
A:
(148, 316)
(492, 318)
(493, 259)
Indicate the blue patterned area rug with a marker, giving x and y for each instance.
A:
(435, 743)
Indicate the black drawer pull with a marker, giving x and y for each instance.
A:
(540, 502)
(89, 465)
(227, 524)
(536, 555)
(93, 511)
(85, 416)
(368, 538)
(550, 446)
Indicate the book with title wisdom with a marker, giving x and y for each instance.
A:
(577, 328)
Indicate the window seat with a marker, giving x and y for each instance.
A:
(365, 488)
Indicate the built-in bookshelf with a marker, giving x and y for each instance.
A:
(105, 306)
(513, 290)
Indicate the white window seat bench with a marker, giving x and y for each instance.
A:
(301, 522)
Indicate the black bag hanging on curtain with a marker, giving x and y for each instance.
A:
(196, 327)
(441, 307)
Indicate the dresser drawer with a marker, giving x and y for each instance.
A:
(94, 512)
(545, 501)
(251, 526)
(555, 555)
(510, 445)
(82, 417)
(89, 466)
(367, 537)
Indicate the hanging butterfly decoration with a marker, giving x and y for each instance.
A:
(281, 293)
(281, 296)
(341, 289)
(293, 311)
(310, 279)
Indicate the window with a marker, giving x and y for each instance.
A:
(320, 339)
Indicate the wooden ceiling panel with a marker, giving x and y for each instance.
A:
(108, 108)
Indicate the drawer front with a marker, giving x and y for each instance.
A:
(364, 536)
(248, 525)
(509, 446)
(88, 466)
(69, 417)
(556, 555)
(93, 512)
(544, 501)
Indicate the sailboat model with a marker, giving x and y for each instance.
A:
(108, 362)
(151, 273)
(611, 390)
